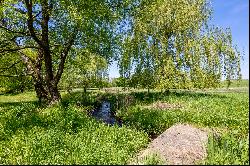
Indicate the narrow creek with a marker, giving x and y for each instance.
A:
(105, 114)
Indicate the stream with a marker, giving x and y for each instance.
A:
(104, 114)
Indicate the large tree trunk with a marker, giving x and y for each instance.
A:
(51, 81)
(54, 94)
(41, 93)
(46, 95)
(46, 89)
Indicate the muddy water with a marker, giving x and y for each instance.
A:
(104, 114)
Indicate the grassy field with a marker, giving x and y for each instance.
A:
(236, 83)
(66, 134)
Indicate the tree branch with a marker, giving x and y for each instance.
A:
(5, 43)
(64, 55)
(12, 31)
(5, 75)
(17, 49)
(20, 10)
(6, 68)
(30, 22)
(37, 14)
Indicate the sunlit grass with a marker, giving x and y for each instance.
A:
(21, 97)
(65, 134)
(236, 83)
(60, 135)
(226, 113)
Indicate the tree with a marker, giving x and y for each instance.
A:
(50, 29)
(173, 41)
(84, 69)
(13, 75)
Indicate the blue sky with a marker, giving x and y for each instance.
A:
(235, 14)
(227, 13)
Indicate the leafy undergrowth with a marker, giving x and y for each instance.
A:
(60, 135)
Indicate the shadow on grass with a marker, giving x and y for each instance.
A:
(81, 99)
(95, 98)
(26, 115)
(78, 98)
(124, 100)
(16, 104)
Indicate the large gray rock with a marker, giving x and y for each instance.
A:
(178, 145)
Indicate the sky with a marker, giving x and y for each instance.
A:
(232, 14)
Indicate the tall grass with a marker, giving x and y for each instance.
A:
(66, 134)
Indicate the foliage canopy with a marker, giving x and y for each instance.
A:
(172, 45)
(158, 43)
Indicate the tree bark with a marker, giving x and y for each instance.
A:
(34, 68)
(55, 95)
(41, 93)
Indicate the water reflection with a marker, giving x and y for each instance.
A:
(104, 113)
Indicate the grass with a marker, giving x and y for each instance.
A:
(151, 159)
(66, 134)
(62, 135)
(236, 83)
(230, 148)
(21, 97)
(226, 113)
